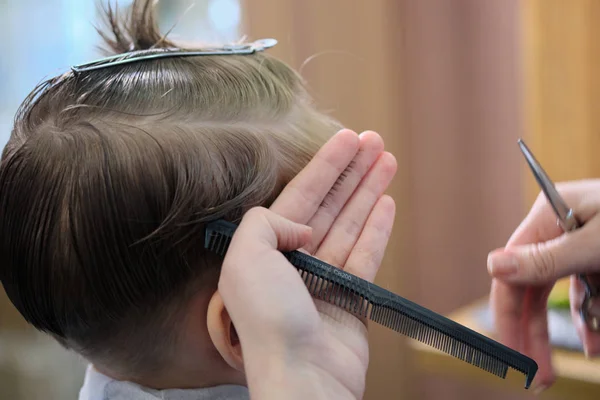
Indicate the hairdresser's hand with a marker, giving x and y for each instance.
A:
(536, 256)
(289, 352)
(340, 196)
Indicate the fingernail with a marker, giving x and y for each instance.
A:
(502, 264)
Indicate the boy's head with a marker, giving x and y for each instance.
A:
(110, 174)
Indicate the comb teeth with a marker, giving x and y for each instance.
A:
(218, 238)
(324, 288)
(432, 336)
(335, 294)
(366, 300)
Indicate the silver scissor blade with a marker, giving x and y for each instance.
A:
(560, 207)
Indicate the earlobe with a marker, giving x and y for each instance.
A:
(223, 334)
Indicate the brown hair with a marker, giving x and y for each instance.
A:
(109, 176)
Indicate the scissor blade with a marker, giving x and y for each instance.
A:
(554, 198)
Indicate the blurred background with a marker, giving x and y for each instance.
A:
(451, 85)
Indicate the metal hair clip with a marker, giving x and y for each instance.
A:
(142, 55)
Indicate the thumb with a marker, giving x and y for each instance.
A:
(274, 230)
(539, 263)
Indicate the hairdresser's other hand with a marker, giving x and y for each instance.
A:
(288, 350)
(535, 257)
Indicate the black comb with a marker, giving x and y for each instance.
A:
(367, 300)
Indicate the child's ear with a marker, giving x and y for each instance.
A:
(223, 333)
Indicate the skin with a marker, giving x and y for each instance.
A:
(294, 346)
(526, 269)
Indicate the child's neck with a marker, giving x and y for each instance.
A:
(214, 372)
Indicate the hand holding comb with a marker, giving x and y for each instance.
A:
(367, 300)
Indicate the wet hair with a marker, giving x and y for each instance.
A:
(109, 176)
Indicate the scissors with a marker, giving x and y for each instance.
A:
(568, 221)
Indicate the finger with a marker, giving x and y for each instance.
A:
(540, 224)
(371, 146)
(516, 318)
(537, 339)
(506, 303)
(545, 262)
(253, 257)
(506, 299)
(304, 194)
(258, 285)
(580, 195)
(366, 256)
(590, 340)
(263, 230)
(520, 317)
(346, 229)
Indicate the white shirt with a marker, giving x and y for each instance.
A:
(97, 386)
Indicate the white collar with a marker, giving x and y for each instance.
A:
(98, 386)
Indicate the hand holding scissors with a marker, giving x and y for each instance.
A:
(568, 221)
(540, 252)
